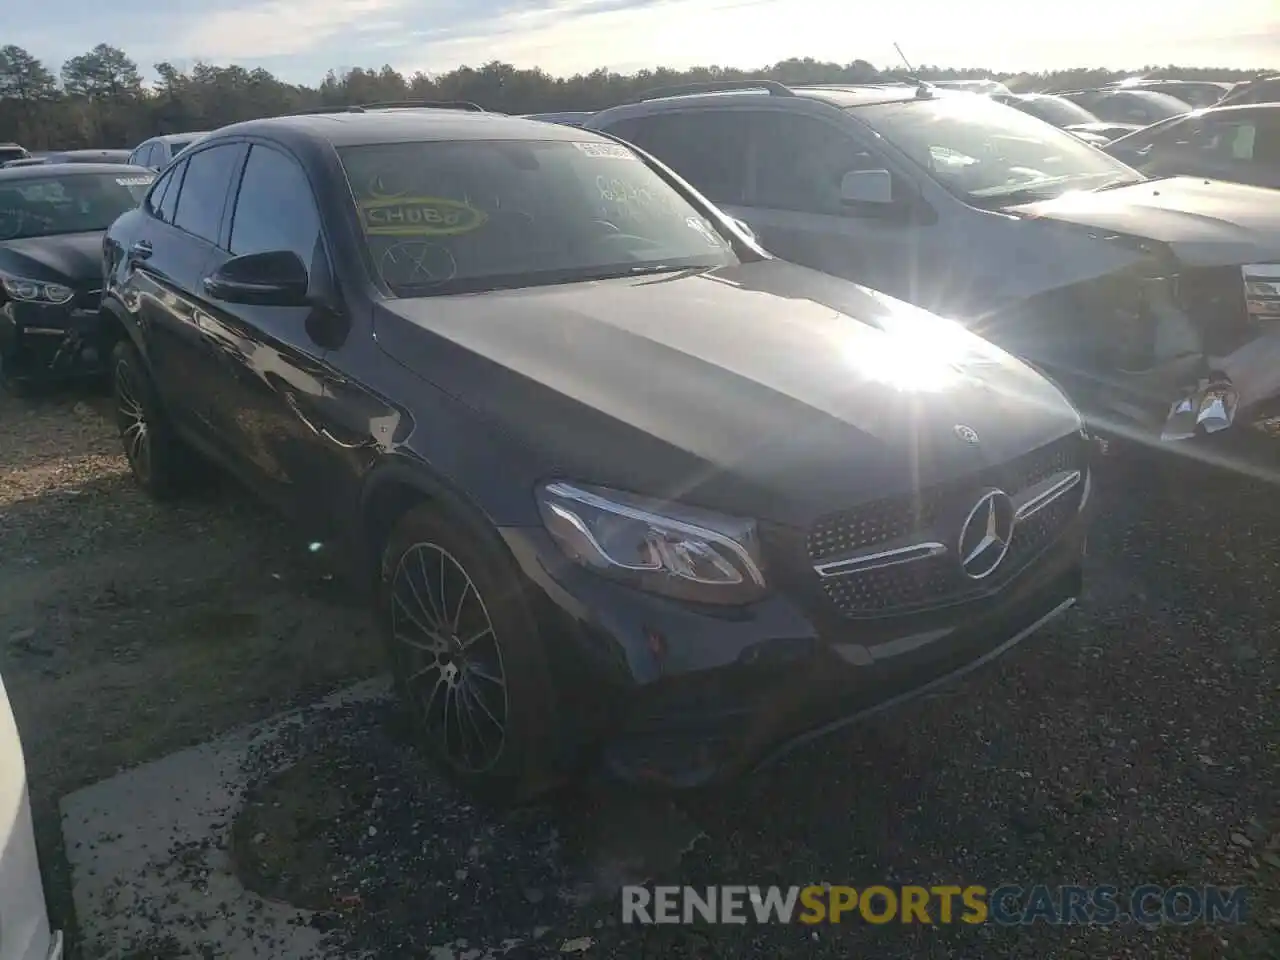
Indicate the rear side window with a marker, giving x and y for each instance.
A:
(275, 209)
(706, 147)
(165, 188)
(204, 190)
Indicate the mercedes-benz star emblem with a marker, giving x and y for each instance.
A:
(967, 434)
(985, 536)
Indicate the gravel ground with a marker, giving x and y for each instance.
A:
(129, 630)
(1136, 740)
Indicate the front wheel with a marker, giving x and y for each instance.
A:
(466, 656)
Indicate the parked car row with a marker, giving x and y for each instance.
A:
(649, 436)
(1137, 297)
(617, 477)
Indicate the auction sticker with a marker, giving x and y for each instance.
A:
(419, 217)
(610, 151)
(134, 181)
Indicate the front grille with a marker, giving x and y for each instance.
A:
(88, 299)
(934, 516)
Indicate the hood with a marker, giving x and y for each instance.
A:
(1203, 222)
(765, 388)
(72, 258)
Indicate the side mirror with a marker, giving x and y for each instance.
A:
(866, 186)
(745, 228)
(274, 279)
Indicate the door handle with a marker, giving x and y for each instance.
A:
(140, 250)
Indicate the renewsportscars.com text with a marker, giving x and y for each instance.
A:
(1006, 905)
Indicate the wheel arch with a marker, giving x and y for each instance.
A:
(119, 325)
(393, 489)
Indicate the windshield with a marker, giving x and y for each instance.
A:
(471, 215)
(177, 146)
(979, 149)
(76, 203)
(1056, 110)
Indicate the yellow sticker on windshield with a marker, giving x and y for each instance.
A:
(419, 217)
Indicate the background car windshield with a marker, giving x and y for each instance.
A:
(1158, 106)
(67, 204)
(448, 217)
(977, 148)
(177, 146)
(1055, 110)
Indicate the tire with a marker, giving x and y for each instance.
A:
(494, 739)
(160, 463)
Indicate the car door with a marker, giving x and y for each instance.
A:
(1239, 147)
(797, 163)
(275, 385)
(170, 263)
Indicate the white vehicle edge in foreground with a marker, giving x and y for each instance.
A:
(24, 920)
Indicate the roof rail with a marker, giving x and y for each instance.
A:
(772, 87)
(341, 109)
(432, 104)
(386, 104)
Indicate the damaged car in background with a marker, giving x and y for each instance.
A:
(52, 221)
(1153, 302)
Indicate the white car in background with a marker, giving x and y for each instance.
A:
(158, 151)
(24, 921)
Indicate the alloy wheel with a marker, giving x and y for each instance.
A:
(131, 417)
(453, 669)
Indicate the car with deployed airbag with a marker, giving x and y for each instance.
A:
(1152, 301)
(621, 484)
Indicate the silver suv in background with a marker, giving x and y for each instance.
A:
(158, 151)
(1144, 299)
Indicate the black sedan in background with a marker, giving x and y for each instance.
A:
(1197, 93)
(52, 219)
(1240, 144)
(1065, 115)
(1138, 107)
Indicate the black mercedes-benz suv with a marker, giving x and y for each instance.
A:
(617, 477)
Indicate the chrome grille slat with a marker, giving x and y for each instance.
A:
(892, 556)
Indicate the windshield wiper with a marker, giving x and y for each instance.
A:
(1119, 182)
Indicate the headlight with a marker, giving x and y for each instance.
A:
(36, 291)
(661, 547)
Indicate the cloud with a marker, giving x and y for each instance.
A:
(282, 27)
(569, 36)
(300, 40)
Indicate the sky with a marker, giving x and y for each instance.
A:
(299, 40)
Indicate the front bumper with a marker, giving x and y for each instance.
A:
(684, 697)
(48, 342)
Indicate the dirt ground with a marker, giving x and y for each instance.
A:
(1136, 740)
(129, 630)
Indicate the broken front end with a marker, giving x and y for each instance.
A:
(1163, 352)
(49, 332)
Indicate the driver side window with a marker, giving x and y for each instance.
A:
(801, 161)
